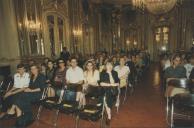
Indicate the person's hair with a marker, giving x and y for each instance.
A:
(87, 62)
(121, 57)
(50, 61)
(176, 56)
(34, 65)
(20, 66)
(62, 61)
(73, 58)
(43, 64)
(108, 62)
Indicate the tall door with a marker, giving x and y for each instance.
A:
(161, 41)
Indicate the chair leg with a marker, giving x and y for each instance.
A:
(39, 112)
(56, 118)
(172, 115)
(125, 96)
(77, 122)
(167, 110)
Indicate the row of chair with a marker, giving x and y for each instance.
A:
(180, 106)
(92, 111)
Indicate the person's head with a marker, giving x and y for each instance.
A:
(20, 69)
(64, 48)
(46, 60)
(34, 69)
(114, 59)
(133, 58)
(192, 60)
(31, 62)
(43, 67)
(61, 63)
(73, 62)
(122, 61)
(176, 60)
(109, 66)
(90, 66)
(50, 64)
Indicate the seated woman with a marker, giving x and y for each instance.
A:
(175, 71)
(91, 76)
(50, 70)
(109, 79)
(59, 79)
(123, 72)
(32, 94)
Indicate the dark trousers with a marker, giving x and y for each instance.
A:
(7, 102)
(25, 99)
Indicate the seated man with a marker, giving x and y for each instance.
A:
(21, 82)
(175, 71)
(74, 75)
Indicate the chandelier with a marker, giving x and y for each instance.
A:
(155, 6)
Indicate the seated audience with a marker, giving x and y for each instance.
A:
(21, 82)
(23, 102)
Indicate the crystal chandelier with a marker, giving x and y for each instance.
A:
(155, 6)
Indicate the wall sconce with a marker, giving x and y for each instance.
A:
(77, 32)
(128, 42)
(135, 42)
(32, 25)
(163, 48)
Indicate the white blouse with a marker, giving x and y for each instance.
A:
(91, 78)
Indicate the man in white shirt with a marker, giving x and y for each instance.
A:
(123, 72)
(21, 82)
(189, 66)
(74, 75)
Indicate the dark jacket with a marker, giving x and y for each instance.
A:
(104, 77)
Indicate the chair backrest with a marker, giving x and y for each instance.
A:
(180, 83)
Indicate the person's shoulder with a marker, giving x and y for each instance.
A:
(16, 75)
(126, 67)
(114, 72)
(169, 68)
(79, 69)
(96, 71)
(41, 75)
(26, 74)
(116, 67)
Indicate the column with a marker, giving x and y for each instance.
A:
(9, 44)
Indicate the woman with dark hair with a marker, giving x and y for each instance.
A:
(109, 80)
(59, 77)
(50, 71)
(32, 94)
